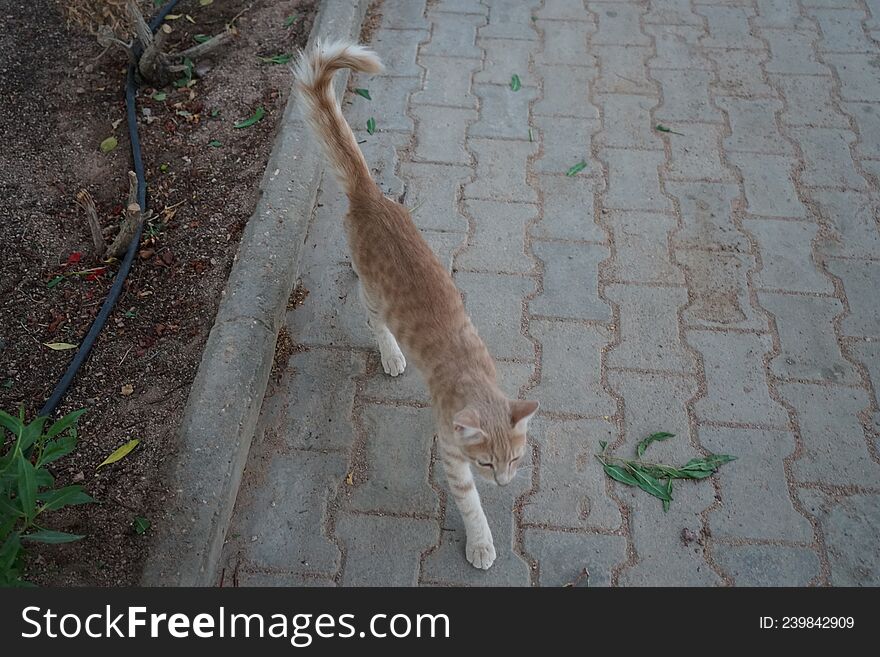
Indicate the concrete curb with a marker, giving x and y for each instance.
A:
(224, 402)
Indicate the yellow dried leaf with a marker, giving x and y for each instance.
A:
(120, 453)
(126, 390)
(349, 479)
(59, 346)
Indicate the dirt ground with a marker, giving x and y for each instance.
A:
(61, 101)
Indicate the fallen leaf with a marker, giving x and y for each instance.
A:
(363, 92)
(205, 3)
(371, 125)
(290, 20)
(109, 144)
(201, 38)
(120, 453)
(247, 123)
(654, 437)
(191, 19)
(159, 96)
(663, 128)
(126, 390)
(276, 59)
(140, 525)
(166, 28)
(580, 166)
(515, 83)
(55, 281)
(349, 479)
(172, 17)
(59, 346)
(214, 143)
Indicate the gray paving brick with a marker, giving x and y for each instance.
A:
(672, 12)
(707, 216)
(695, 154)
(566, 10)
(618, 26)
(568, 44)
(868, 353)
(566, 142)
(809, 101)
(736, 384)
(854, 83)
(440, 134)
(685, 96)
(327, 228)
(633, 180)
(432, 194)
(677, 47)
(292, 492)
(851, 223)
(780, 14)
(494, 302)
(368, 541)
(503, 58)
(867, 118)
(510, 19)
(403, 14)
(628, 122)
(768, 184)
(498, 246)
(501, 171)
(728, 28)
(842, 31)
(623, 70)
(447, 82)
(398, 49)
(659, 348)
(834, 446)
(454, 35)
(809, 349)
(753, 126)
(755, 505)
(768, 565)
(562, 557)
(315, 404)
(571, 490)
(791, 52)
(872, 171)
(504, 113)
(785, 248)
(444, 244)
(828, 161)
(459, 7)
(565, 92)
(388, 106)
(852, 528)
(861, 279)
(570, 377)
(719, 290)
(642, 253)
(399, 485)
(571, 286)
(568, 208)
(740, 73)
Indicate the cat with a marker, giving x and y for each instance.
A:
(410, 299)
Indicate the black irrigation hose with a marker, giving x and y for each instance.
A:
(124, 267)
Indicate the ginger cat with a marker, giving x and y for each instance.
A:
(410, 298)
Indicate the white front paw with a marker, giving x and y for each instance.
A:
(480, 554)
(393, 362)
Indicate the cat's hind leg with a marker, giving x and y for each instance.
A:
(393, 361)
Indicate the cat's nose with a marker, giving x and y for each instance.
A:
(503, 478)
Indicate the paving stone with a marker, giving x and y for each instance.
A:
(728, 28)
(872, 171)
(707, 216)
(677, 47)
(629, 123)
(736, 383)
(719, 290)
(440, 134)
(398, 49)
(504, 113)
(570, 376)
(566, 90)
(291, 492)
(785, 248)
(564, 10)
(498, 241)
(563, 557)
(828, 161)
(834, 447)
(568, 203)
(458, 7)
(768, 184)
(768, 565)
(781, 14)
(809, 101)
(403, 14)
(851, 528)
(447, 82)
(618, 25)
(454, 35)
(503, 58)
(851, 223)
(868, 353)
(855, 82)
(809, 349)
(633, 180)
(867, 118)
(494, 302)
(368, 541)
(314, 404)
(571, 486)
(659, 348)
(695, 154)
(623, 70)
(757, 505)
(571, 285)
(740, 73)
(388, 106)
(432, 194)
(685, 97)
(861, 279)
(753, 126)
(672, 12)
(510, 19)
(791, 52)
(566, 142)
(842, 31)
(501, 171)
(444, 245)
(642, 252)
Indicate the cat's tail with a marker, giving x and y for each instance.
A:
(320, 107)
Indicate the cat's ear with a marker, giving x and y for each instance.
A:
(466, 424)
(520, 413)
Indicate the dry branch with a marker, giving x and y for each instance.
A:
(87, 203)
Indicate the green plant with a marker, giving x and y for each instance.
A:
(27, 488)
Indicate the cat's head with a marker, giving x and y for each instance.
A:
(493, 436)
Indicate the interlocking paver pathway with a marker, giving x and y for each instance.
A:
(721, 284)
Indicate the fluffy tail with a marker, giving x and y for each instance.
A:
(318, 102)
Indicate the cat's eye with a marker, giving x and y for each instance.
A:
(485, 465)
(512, 461)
